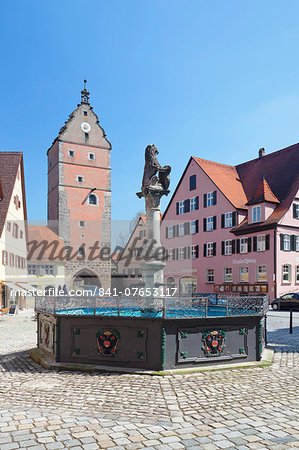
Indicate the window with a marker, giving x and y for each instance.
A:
(86, 135)
(261, 243)
(297, 274)
(228, 247)
(296, 210)
(170, 280)
(4, 257)
(286, 273)
(11, 260)
(193, 204)
(286, 242)
(181, 229)
(49, 270)
(15, 231)
(31, 269)
(261, 273)
(142, 233)
(192, 182)
(297, 243)
(21, 234)
(8, 226)
(210, 223)
(228, 275)
(194, 251)
(244, 245)
(169, 254)
(210, 199)
(210, 249)
(194, 226)
(81, 251)
(82, 223)
(244, 275)
(171, 232)
(228, 220)
(210, 276)
(256, 214)
(71, 152)
(80, 178)
(92, 199)
(92, 156)
(181, 207)
(85, 113)
(181, 253)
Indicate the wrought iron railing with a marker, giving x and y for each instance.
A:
(202, 305)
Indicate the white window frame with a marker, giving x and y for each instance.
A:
(256, 214)
(210, 223)
(82, 223)
(181, 207)
(210, 275)
(170, 232)
(181, 229)
(91, 158)
(245, 272)
(70, 150)
(228, 275)
(286, 242)
(169, 254)
(80, 176)
(210, 199)
(193, 227)
(228, 247)
(261, 243)
(193, 204)
(259, 273)
(210, 247)
(288, 273)
(193, 251)
(228, 220)
(297, 274)
(97, 199)
(297, 210)
(244, 245)
(181, 251)
(297, 243)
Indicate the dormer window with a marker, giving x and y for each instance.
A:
(256, 214)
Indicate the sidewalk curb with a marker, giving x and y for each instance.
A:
(45, 361)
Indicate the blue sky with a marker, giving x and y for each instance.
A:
(216, 80)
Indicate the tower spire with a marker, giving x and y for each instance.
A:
(85, 94)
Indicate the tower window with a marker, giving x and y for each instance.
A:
(80, 179)
(85, 113)
(86, 135)
(92, 156)
(71, 153)
(82, 223)
(92, 199)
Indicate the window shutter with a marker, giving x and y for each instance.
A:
(176, 227)
(293, 242)
(214, 222)
(204, 249)
(222, 220)
(234, 219)
(204, 224)
(214, 248)
(185, 252)
(294, 211)
(166, 231)
(187, 205)
(196, 226)
(267, 241)
(233, 246)
(196, 202)
(254, 243)
(222, 248)
(196, 251)
(187, 228)
(238, 246)
(204, 200)
(54, 270)
(177, 208)
(249, 244)
(214, 197)
(281, 241)
(173, 254)
(189, 252)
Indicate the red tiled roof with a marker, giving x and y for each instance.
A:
(41, 233)
(9, 165)
(227, 179)
(263, 194)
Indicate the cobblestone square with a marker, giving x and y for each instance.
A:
(252, 408)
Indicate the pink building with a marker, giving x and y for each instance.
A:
(235, 228)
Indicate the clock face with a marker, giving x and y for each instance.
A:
(85, 127)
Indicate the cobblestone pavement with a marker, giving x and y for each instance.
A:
(245, 409)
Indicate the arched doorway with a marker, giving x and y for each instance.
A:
(86, 278)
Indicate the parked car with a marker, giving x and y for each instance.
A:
(286, 301)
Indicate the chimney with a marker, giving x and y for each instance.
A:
(261, 152)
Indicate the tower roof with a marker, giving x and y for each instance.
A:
(263, 194)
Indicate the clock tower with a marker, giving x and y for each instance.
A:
(79, 195)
